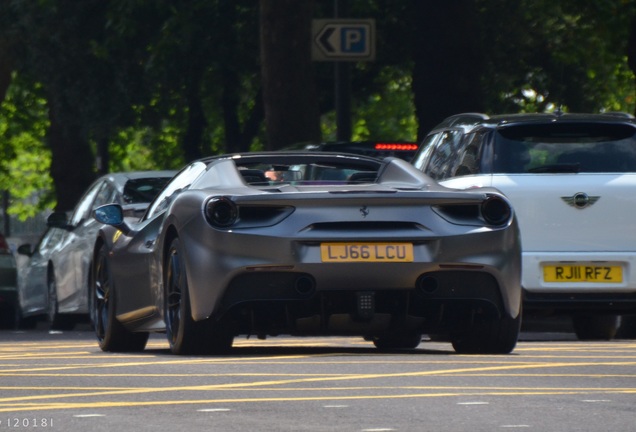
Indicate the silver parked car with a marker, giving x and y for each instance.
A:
(308, 243)
(8, 286)
(54, 282)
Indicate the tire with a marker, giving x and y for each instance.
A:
(111, 334)
(398, 341)
(185, 335)
(56, 320)
(8, 318)
(24, 323)
(595, 327)
(488, 336)
(627, 329)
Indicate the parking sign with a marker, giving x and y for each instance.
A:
(343, 40)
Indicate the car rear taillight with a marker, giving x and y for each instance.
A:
(493, 210)
(396, 146)
(496, 211)
(4, 246)
(221, 211)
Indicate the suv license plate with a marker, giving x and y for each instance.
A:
(366, 252)
(582, 273)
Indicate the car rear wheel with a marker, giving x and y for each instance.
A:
(24, 323)
(111, 334)
(627, 329)
(488, 336)
(398, 340)
(8, 318)
(57, 321)
(185, 335)
(595, 327)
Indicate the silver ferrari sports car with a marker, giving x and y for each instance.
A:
(308, 243)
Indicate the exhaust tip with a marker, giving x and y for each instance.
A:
(427, 284)
(305, 285)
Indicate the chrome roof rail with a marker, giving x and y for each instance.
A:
(619, 114)
(470, 118)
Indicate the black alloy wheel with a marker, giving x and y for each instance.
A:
(111, 334)
(100, 298)
(56, 320)
(488, 335)
(173, 284)
(185, 335)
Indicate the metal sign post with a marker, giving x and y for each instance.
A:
(342, 41)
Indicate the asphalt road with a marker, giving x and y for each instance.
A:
(62, 381)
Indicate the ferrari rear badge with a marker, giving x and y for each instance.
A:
(364, 210)
(580, 200)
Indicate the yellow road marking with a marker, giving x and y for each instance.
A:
(329, 378)
(530, 357)
(81, 405)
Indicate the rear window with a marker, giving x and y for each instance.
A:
(305, 174)
(143, 190)
(563, 147)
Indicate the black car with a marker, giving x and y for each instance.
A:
(380, 149)
(8, 286)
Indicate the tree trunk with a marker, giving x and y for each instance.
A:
(447, 61)
(238, 137)
(6, 68)
(192, 141)
(631, 50)
(230, 105)
(103, 156)
(71, 162)
(289, 95)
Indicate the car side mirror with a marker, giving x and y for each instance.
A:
(25, 249)
(113, 215)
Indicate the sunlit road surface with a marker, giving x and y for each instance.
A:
(64, 382)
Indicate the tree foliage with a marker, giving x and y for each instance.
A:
(129, 84)
(543, 54)
(291, 103)
(25, 160)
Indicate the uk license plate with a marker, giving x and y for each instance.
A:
(366, 252)
(594, 273)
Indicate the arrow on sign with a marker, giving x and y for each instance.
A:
(343, 39)
(324, 39)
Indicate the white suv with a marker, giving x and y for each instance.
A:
(572, 181)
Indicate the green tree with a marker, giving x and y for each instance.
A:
(132, 84)
(200, 73)
(289, 94)
(57, 42)
(544, 54)
(156, 72)
(531, 55)
(25, 159)
(448, 60)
